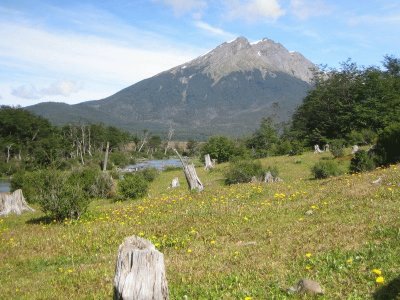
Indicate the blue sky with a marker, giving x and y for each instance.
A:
(74, 51)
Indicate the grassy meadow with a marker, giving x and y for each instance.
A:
(247, 241)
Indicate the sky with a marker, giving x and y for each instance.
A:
(79, 50)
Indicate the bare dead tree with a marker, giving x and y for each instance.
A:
(171, 132)
(9, 146)
(144, 139)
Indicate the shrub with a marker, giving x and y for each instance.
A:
(388, 145)
(296, 148)
(337, 148)
(119, 159)
(149, 174)
(222, 149)
(325, 169)
(361, 162)
(94, 182)
(243, 171)
(58, 195)
(133, 186)
(26, 181)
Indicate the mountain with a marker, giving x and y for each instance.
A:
(225, 91)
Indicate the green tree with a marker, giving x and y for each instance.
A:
(265, 139)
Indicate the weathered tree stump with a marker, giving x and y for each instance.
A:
(317, 149)
(326, 148)
(190, 174)
(13, 203)
(269, 178)
(175, 182)
(354, 149)
(208, 163)
(140, 271)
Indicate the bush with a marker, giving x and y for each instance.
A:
(222, 149)
(296, 148)
(337, 148)
(243, 171)
(325, 169)
(149, 174)
(362, 162)
(119, 159)
(388, 145)
(57, 193)
(133, 186)
(28, 182)
(94, 182)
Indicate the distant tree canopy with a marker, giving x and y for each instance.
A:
(33, 142)
(349, 99)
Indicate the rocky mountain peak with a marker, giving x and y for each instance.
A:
(240, 55)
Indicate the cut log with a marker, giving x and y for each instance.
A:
(13, 203)
(326, 148)
(190, 174)
(140, 271)
(175, 182)
(208, 163)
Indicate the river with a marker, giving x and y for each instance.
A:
(159, 164)
(5, 185)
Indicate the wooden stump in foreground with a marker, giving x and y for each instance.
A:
(140, 271)
(13, 203)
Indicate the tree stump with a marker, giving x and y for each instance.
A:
(140, 271)
(268, 177)
(13, 203)
(326, 148)
(190, 174)
(354, 149)
(175, 182)
(317, 149)
(208, 163)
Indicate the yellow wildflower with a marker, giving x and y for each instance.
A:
(377, 272)
(189, 251)
(380, 279)
(248, 298)
(308, 255)
(349, 261)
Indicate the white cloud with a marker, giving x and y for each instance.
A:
(213, 30)
(37, 55)
(254, 10)
(63, 88)
(185, 6)
(59, 88)
(304, 9)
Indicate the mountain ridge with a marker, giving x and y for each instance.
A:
(228, 91)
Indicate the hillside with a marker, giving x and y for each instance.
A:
(228, 242)
(226, 91)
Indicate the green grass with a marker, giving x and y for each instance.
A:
(228, 242)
